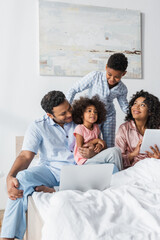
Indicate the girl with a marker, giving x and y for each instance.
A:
(88, 113)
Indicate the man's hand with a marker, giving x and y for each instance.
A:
(12, 185)
(22, 162)
(87, 151)
(155, 152)
(44, 189)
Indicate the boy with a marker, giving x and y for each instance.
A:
(108, 86)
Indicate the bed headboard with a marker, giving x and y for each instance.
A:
(19, 142)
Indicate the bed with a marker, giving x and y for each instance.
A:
(34, 222)
(128, 210)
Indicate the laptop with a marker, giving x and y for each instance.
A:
(85, 177)
(150, 138)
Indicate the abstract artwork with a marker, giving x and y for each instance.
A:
(78, 39)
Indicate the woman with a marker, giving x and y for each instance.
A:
(143, 113)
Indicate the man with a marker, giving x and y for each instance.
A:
(53, 137)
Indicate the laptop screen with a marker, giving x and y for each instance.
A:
(85, 177)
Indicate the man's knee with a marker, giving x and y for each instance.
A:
(115, 156)
(113, 151)
(118, 157)
(117, 151)
(23, 176)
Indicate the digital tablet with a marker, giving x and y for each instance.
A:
(150, 138)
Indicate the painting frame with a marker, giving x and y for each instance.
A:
(76, 39)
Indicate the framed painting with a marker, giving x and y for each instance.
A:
(77, 39)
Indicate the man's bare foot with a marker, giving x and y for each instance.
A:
(44, 189)
(7, 238)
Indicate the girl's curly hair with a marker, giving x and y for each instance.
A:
(153, 104)
(79, 106)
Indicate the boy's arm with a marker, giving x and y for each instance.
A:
(83, 84)
(122, 99)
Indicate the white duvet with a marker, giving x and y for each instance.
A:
(128, 210)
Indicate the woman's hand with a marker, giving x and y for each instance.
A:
(136, 151)
(155, 152)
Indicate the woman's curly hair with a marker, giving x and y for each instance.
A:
(153, 104)
(79, 106)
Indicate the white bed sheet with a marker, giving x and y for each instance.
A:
(128, 210)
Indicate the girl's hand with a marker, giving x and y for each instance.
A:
(98, 147)
(155, 154)
(100, 141)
